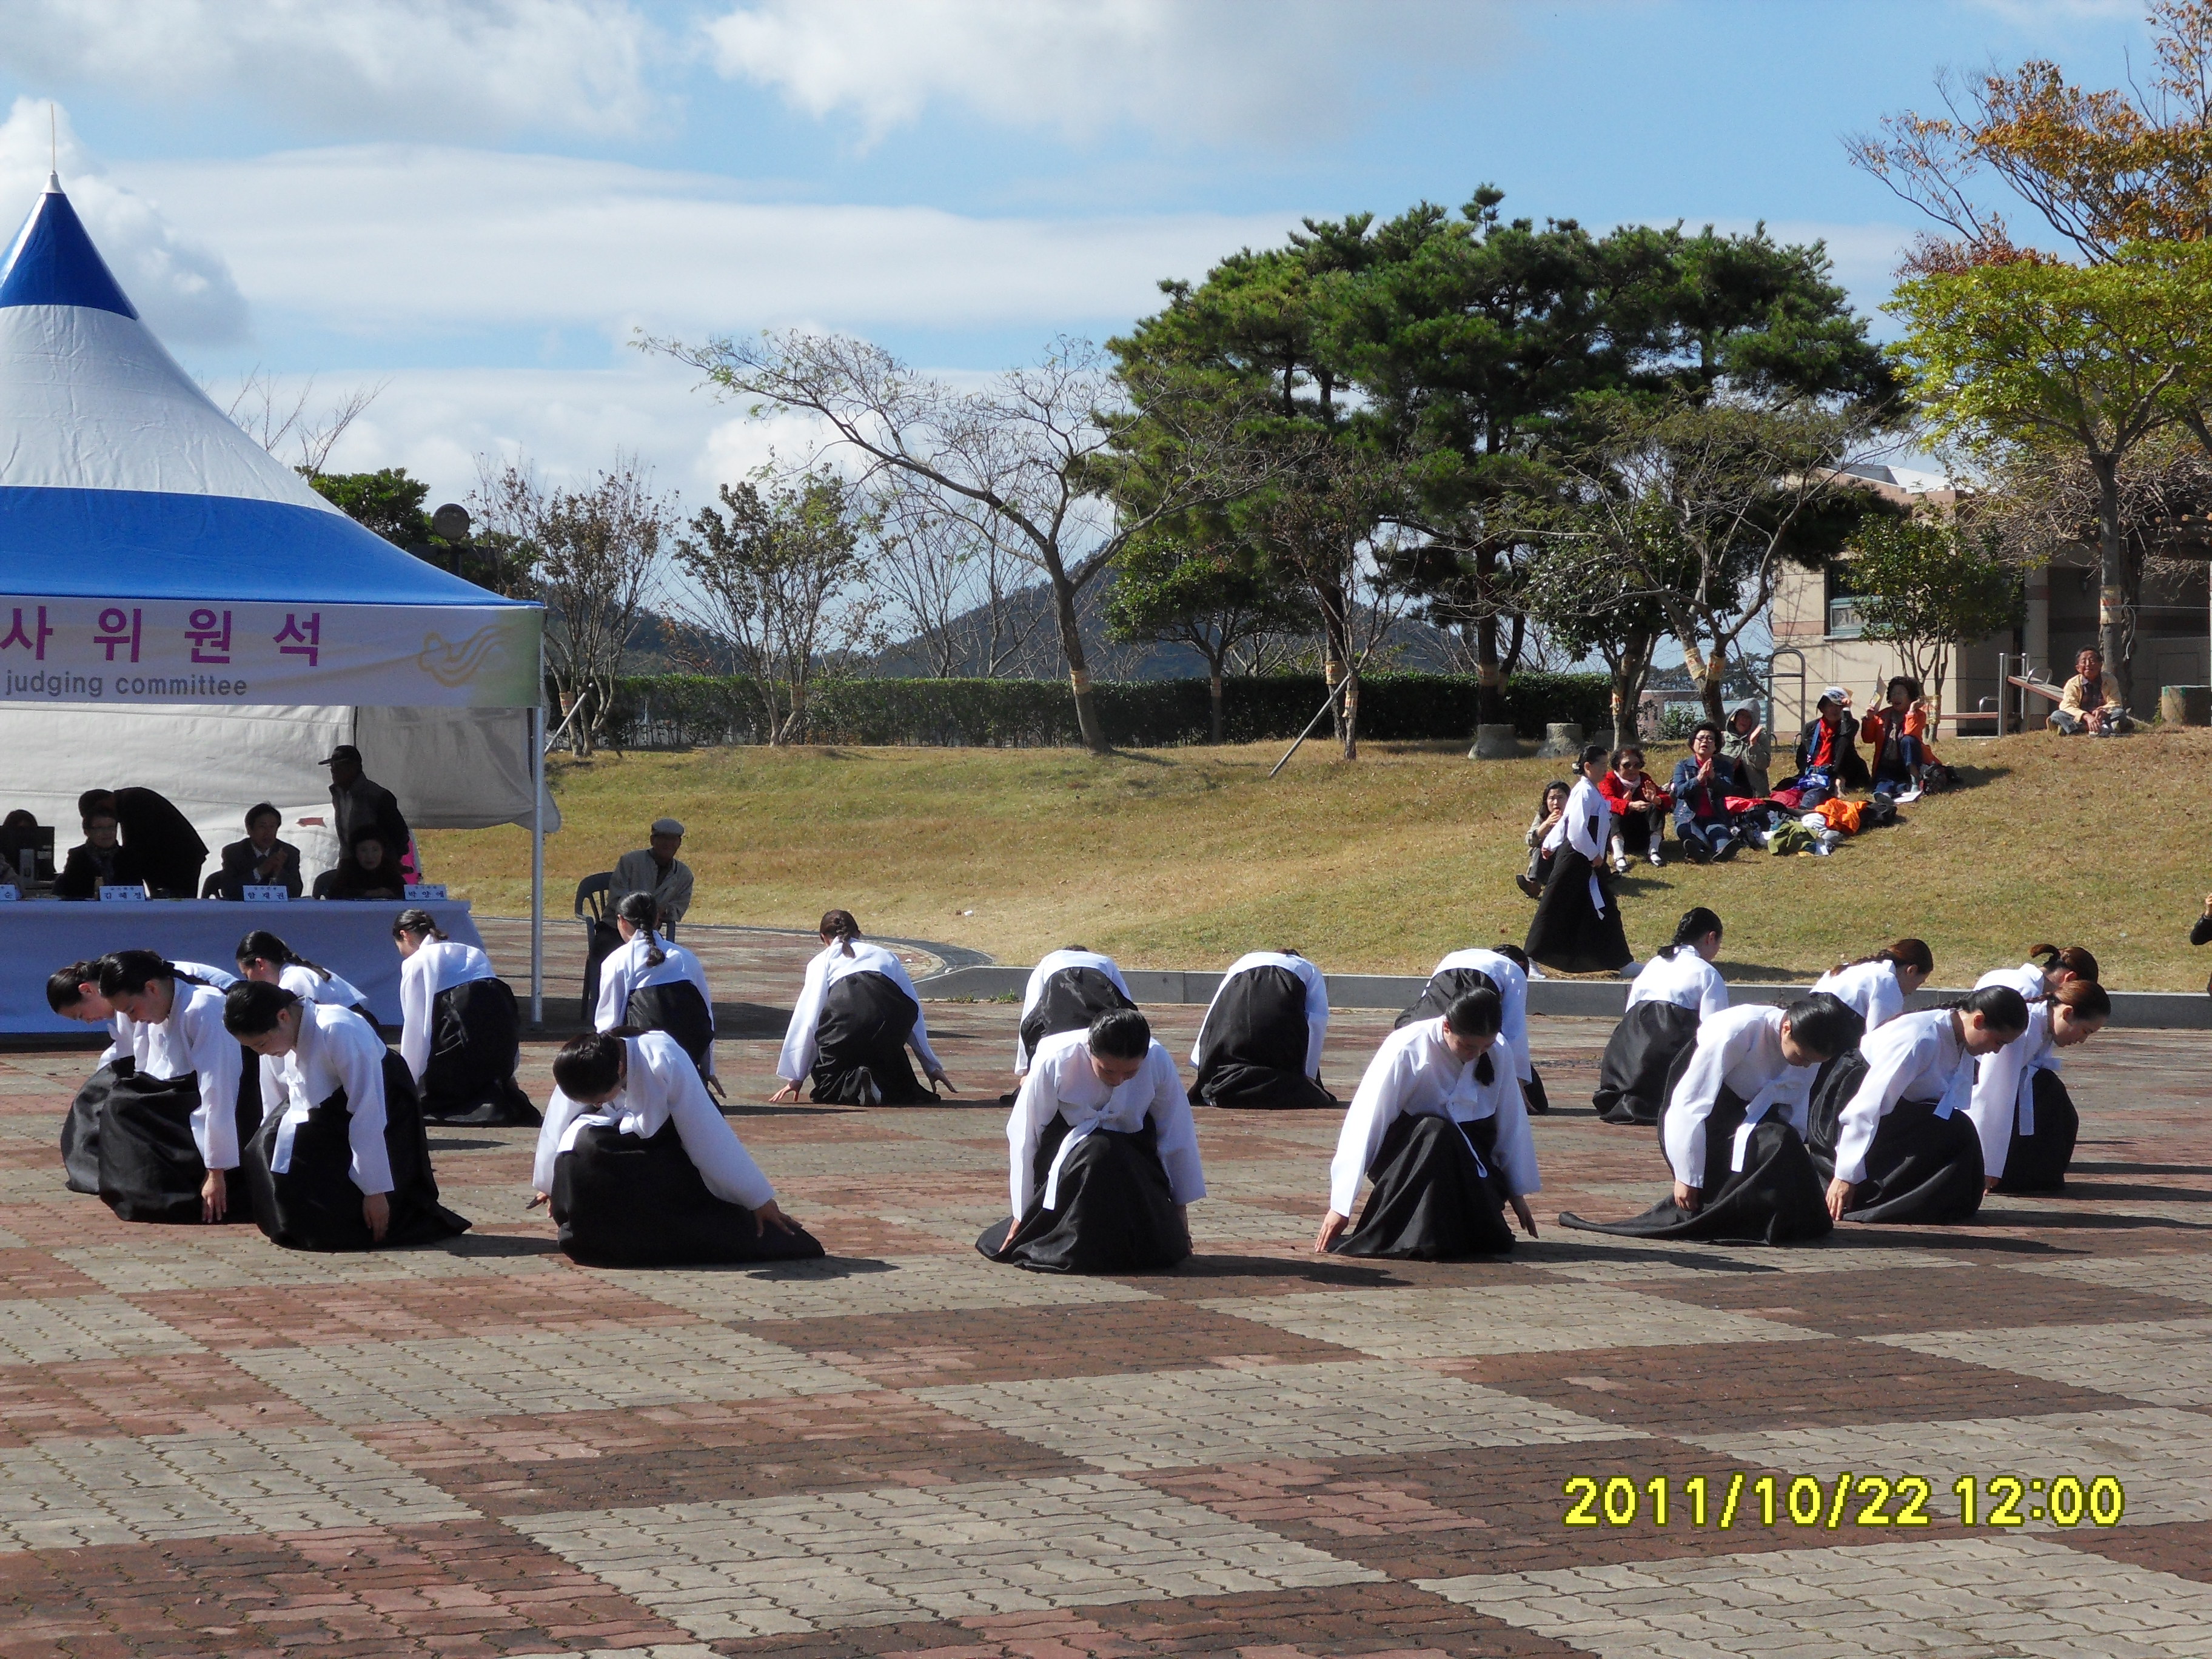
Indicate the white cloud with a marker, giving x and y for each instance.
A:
(1226, 71)
(438, 67)
(184, 290)
(388, 240)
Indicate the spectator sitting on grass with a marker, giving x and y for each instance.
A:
(1639, 809)
(1893, 734)
(2091, 702)
(1551, 810)
(1827, 762)
(1701, 788)
(1746, 743)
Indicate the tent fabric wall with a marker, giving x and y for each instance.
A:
(452, 768)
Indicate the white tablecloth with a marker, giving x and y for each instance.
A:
(352, 940)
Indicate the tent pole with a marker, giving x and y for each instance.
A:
(537, 860)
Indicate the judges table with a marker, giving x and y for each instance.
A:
(353, 939)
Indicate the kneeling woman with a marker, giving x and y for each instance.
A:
(1102, 1156)
(642, 1170)
(1734, 1129)
(1904, 1148)
(460, 1032)
(650, 984)
(1068, 989)
(1259, 1043)
(169, 1134)
(1505, 971)
(1678, 988)
(857, 1014)
(1439, 1127)
(267, 960)
(340, 1162)
(2023, 1113)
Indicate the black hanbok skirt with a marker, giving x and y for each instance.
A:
(1441, 992)
(1438, 1194)
(1567, 933)
(1920, 1167)
(1833, 1085)
(1071, 999)
(1256, 1045)
(1779, 1197)
(860, 1045)
(314, 1205)
(622, 1202)
(150, 1168)
(2037, 1163)
(476, 1039)
(1639, 1057)
(1117, 1212)
(677, 1009)
(80, 1128)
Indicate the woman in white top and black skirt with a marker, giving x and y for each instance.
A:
(857, 1014)
(1876, 988)
(267, 960)
(460, 1032)
(1678, 988)
(170, 1133)
(651, 984)
(1576, 928)
(2023, 1112)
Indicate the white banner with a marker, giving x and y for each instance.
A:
(229, 652)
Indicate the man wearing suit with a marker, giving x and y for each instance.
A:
(99, 861)
(164, 849)
(261, 859)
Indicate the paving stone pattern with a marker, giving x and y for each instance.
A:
(212, 1447)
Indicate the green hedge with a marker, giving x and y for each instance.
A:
(658, 710)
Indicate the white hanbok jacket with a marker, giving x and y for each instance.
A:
(1043, 972)
(1914, 1057)
(1512, 983)
(1871, 987)
(833, 963)
(1415, 1074)
(1739, 1049)
(660, 1085)
(337, 1049)
(626, 969)
(1685, 979)
(437, 965)
(2004, 1082)
(1586, 826)
(192, 1041)
(309, 985)
(1317, 1000)
(1060, 1083)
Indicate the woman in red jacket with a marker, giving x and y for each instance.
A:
(1639, 809)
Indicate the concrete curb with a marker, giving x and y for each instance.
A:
(1573, 998)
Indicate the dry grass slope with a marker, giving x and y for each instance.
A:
(1187, 857)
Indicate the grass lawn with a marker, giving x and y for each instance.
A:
(1187, 857)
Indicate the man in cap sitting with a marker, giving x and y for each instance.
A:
(656, 869)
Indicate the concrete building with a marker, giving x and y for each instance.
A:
(1816, 624)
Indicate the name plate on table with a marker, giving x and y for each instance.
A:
(9, 892)
(427, 890)
(255, 893)
(118, 895)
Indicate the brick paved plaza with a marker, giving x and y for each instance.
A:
(210, 1446)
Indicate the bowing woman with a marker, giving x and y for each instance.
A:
(1876, 988)
(1576, 927)
(2047, 969)
(857, 1014)
(267, 960)
(641, 1168)
(1904, 1148)
(1733, 1126)
(2023, 1113)
(1503, 970)
(1259, 1043)
(340, 1161)
(170, 1134)
(1438, 1126)
(1101, 1156)
(1678, 988)
(73, 992)
(1066, 991)
(652, 984)
(460, 1033)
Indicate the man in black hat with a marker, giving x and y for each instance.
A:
(360, 804)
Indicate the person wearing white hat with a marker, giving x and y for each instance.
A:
(656, 869)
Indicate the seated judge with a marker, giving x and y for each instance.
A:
(857, 1014)
(641, 1168)
(1734, 1125)
(261, 859)
(160, 838)
(1438, 1126)
(101, 861)
(20, 833)
(1261, 1042)
(170, 1134)
(340, 1161)
(656, 871)
(1068, 989)
(1905, 1147)
(369, 870)
(1102, 1156)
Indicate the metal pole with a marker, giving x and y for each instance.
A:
(1326, 705)
(538, 848)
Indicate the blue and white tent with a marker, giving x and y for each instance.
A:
(179, 610)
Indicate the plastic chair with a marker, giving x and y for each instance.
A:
(599, 936)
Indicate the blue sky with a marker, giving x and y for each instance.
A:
(472, 204)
